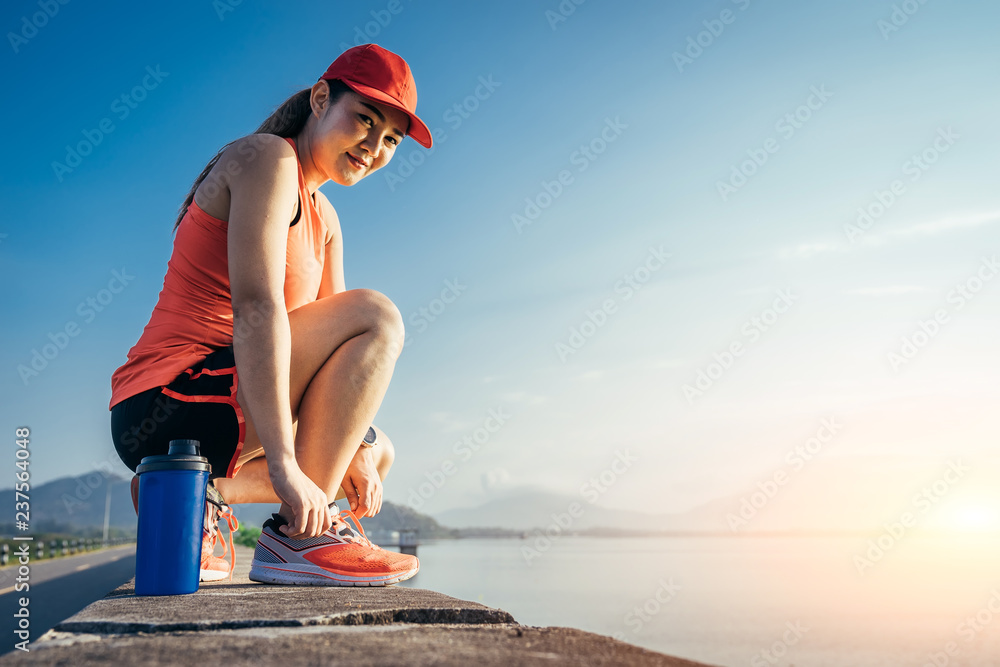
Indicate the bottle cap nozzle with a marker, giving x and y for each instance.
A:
(184, 448)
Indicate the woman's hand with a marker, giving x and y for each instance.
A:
(309, 504)
(362, 484)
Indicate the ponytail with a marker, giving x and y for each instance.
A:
(287, 121)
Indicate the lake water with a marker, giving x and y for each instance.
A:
(724, 601)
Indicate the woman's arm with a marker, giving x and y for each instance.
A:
(261, 194)
(333, 265)
(263, 190)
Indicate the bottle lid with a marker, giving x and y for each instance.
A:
(181, 455)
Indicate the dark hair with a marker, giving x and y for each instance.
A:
(287, 121)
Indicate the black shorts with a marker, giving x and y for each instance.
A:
(200, 404)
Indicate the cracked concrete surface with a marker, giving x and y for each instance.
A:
(243, 622)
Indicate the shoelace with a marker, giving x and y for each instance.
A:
(223, 511)
(340, 518)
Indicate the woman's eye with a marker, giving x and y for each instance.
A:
(367, 120)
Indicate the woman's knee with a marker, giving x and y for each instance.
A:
(383, 317)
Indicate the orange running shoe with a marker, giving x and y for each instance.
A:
(342, 556)
(213, 568)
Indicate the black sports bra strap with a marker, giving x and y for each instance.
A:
(298, 213)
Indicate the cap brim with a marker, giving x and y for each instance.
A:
(418, 129)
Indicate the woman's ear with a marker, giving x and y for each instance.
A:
(319, 98)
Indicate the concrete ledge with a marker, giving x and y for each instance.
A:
(223, 606)
(243, 622)
(501, 645)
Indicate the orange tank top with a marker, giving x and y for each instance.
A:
(193, 315)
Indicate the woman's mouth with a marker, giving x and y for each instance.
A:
(355, 162)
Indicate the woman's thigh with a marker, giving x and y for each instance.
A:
(317, 330)
(199, 404)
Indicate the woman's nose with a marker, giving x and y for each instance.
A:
(371, 146)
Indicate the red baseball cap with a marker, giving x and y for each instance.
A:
(381, 75)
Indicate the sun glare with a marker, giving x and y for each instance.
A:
(976, 517)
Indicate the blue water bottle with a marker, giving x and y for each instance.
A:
(171, 515)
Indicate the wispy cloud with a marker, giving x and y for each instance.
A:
(891, 290)
(670, 363)
(923, 229)
(807, 250)
(522, 397)
(934, 227)
(448, 422)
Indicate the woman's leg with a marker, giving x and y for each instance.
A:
(252, 483)
(344, 349)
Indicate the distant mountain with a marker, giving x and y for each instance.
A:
(393, 517)
(833, 494)
(528, 508)
(74, 504)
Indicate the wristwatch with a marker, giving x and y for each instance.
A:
(369, 440)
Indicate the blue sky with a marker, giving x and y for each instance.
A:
(671, 135)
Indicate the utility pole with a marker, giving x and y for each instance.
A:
(107, 513)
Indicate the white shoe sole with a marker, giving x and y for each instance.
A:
(313, 575)
(213, 575)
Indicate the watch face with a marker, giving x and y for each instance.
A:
(370, 437)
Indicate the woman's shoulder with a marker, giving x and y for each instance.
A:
(257, 162)
(245, 151)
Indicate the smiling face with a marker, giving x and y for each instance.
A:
(354, 136)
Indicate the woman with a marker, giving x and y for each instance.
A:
(255, 347)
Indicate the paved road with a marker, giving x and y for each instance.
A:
(60, 588)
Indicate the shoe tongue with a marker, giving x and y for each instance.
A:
(343, 529)
(276, 521)
(340, 525)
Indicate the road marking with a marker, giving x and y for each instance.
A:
(10, 589)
